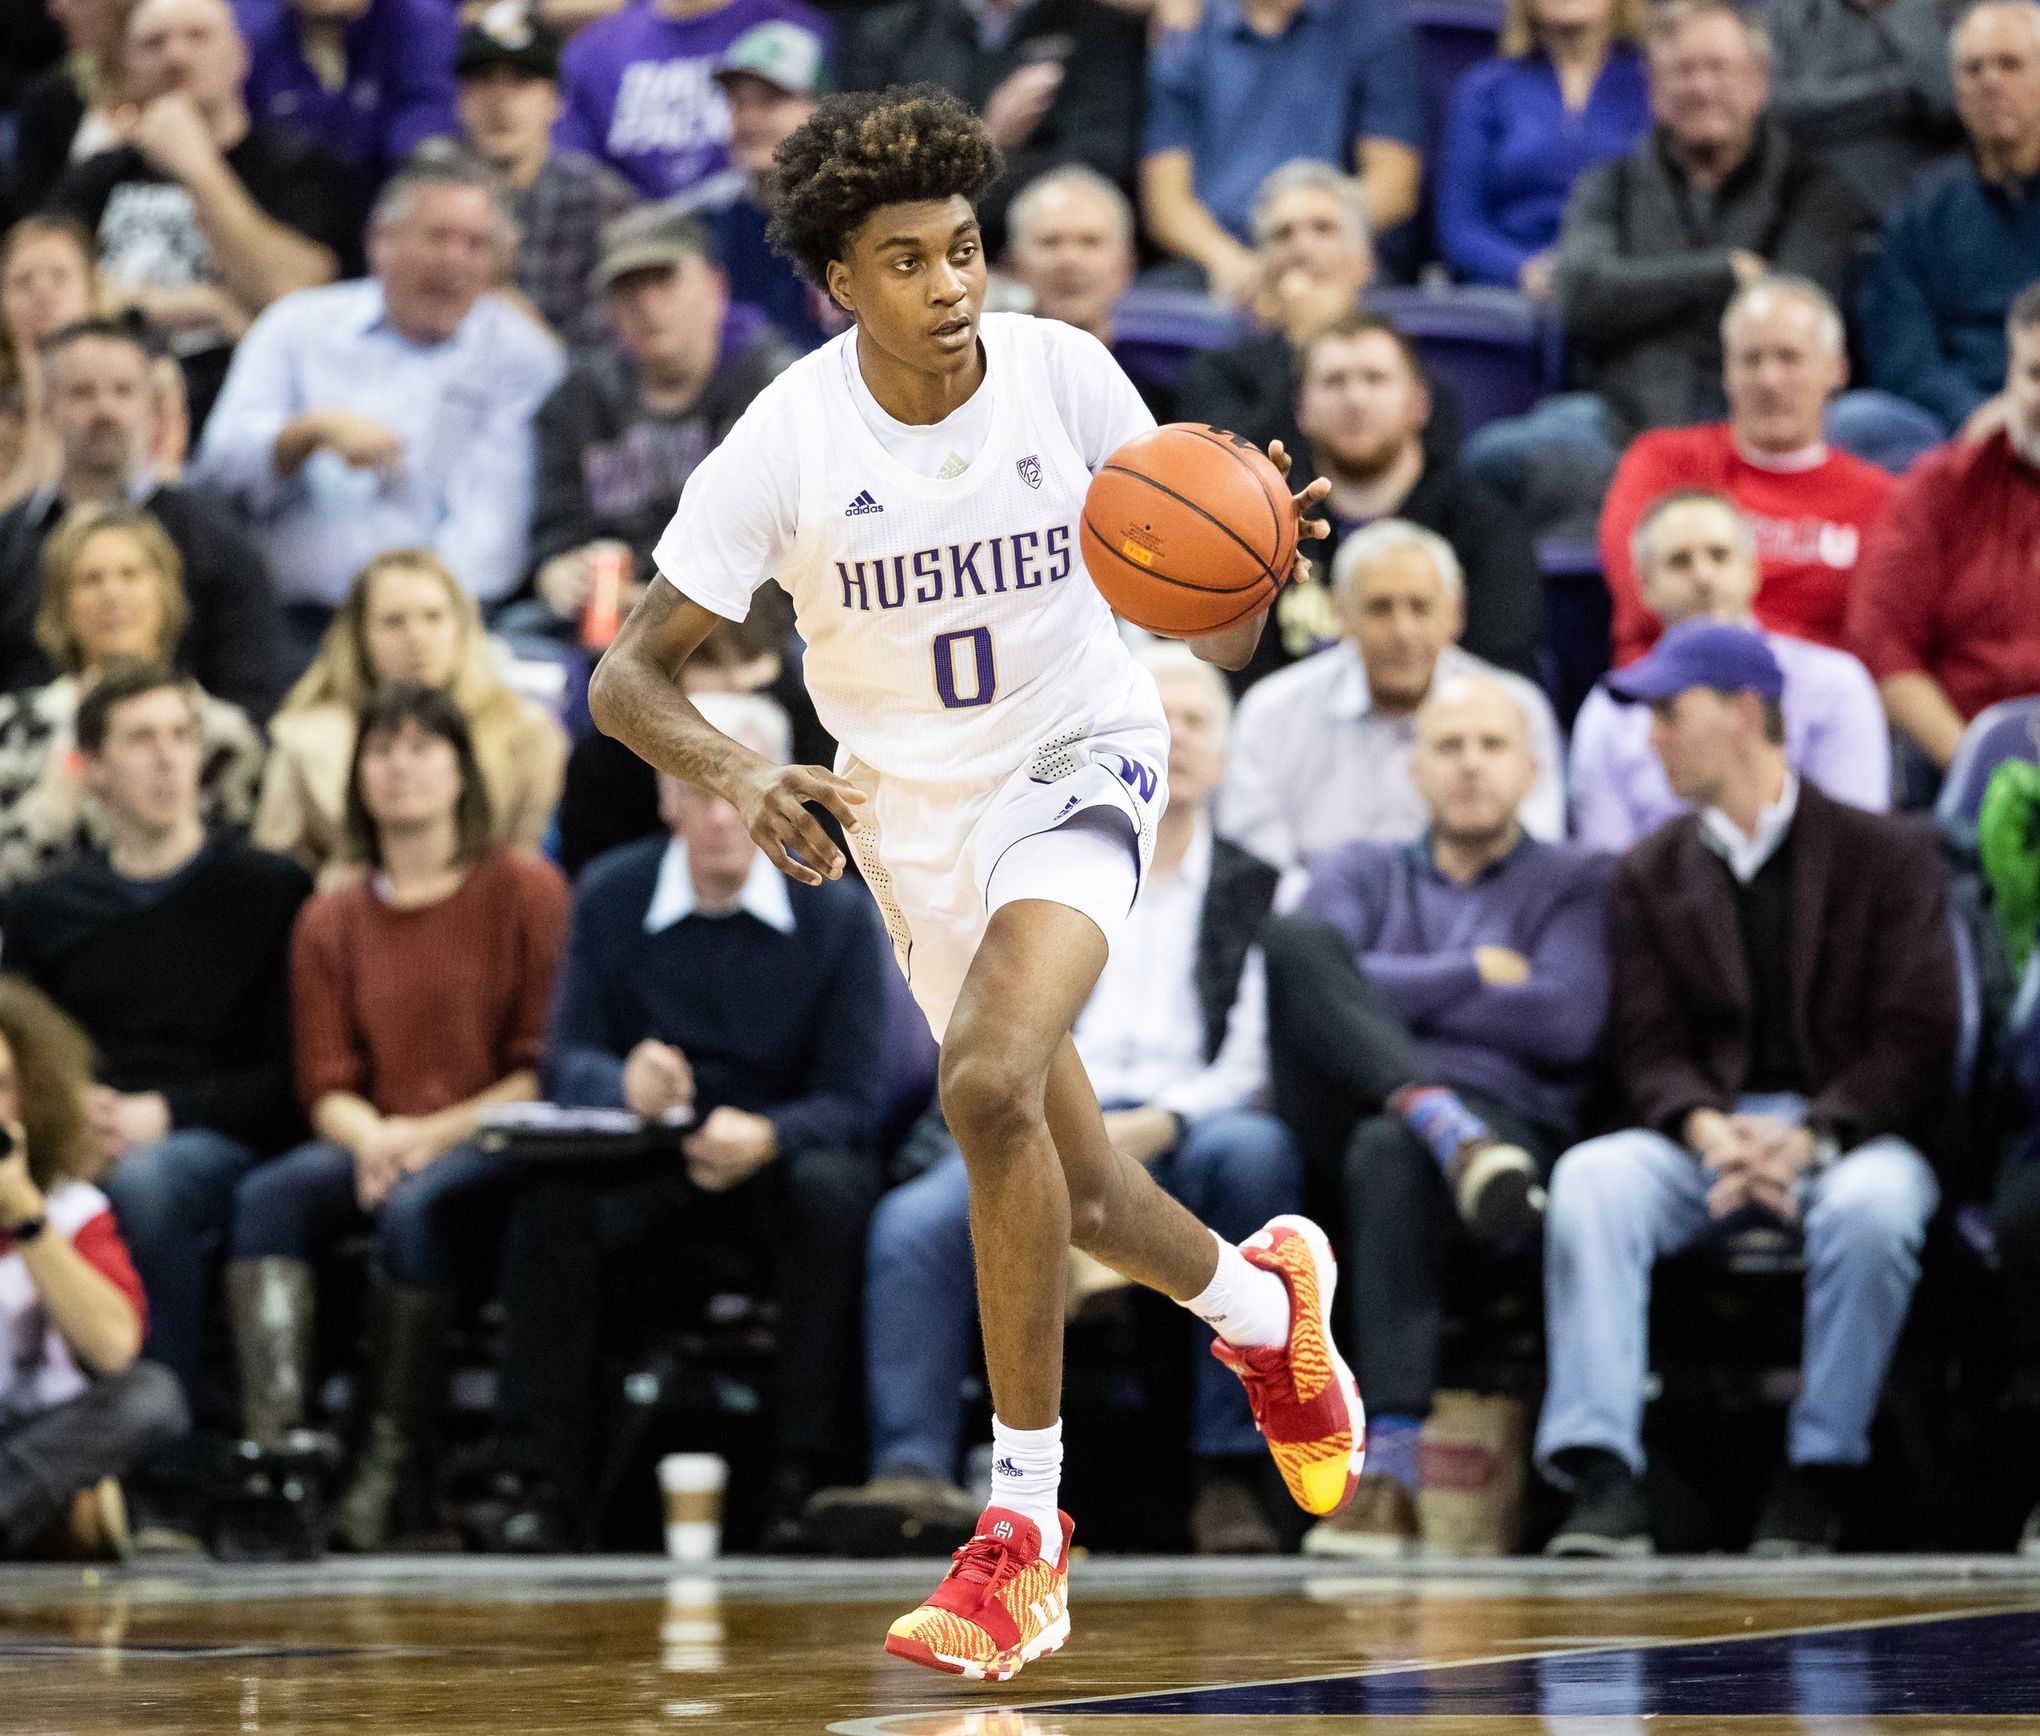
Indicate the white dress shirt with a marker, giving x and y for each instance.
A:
(463, 408)
(673, 896)
(1745, 855)
(1141, 1034)
(1314, 765)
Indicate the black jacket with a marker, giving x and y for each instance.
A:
(1504, 586)
(1096, 116)
(230, 644)
(1241, 893)
(188, 993)
(1645, 267)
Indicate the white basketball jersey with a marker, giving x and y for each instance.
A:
(951, 627)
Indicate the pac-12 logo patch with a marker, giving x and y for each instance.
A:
(1030, 470)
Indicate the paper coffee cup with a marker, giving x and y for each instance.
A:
(692, 1484)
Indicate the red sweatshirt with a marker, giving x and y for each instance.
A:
(1951, 580)
(1810, 525)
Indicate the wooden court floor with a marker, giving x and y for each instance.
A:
(547, 1648)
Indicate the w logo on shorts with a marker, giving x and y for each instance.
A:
(1138, 777)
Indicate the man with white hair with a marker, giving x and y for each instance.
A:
(1967, 239)
(1809, 504)
(203, 215)
(1695, 557)
(1174, 1038)
(1434, 1011)
(699, 985)
(1321, 750)
(395, 411)
(1070, 239)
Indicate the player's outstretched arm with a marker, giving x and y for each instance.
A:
(635, 696)
(1234, 648)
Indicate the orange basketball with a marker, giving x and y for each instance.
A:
(1188, 530)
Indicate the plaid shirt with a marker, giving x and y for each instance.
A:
(560, 217)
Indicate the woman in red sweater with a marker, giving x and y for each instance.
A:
(77, 1408)
(419, 995)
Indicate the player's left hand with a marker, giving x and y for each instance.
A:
(773, 801)
(1311, 527)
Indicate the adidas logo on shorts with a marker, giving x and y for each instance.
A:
(862, 505)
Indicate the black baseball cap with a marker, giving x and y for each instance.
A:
(504, 35)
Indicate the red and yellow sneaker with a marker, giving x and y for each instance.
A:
(1000, 1606)
(1305, 1402)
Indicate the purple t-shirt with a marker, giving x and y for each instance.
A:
(637, 90)
(399, 89)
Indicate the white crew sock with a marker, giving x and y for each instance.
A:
(1026, 1475)
(1243, 1304)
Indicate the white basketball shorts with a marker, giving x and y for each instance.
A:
(940, 858)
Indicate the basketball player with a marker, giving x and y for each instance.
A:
(916, 485)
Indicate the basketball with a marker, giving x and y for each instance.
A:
(1188, 530)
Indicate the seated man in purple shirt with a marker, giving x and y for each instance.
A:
(641, 91)
(1696, 559)
(1433, 1009)
(371, 80)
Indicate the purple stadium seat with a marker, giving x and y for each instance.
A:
(1489, 343)
(1163, 328)
(1575, 653)
(1452, 35)
(2009, 730)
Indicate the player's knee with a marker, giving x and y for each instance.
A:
(990, 1096)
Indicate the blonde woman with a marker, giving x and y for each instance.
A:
(113, 591)
(406, 619)
(1565, 94)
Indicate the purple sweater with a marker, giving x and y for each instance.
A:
(1414, 931)
(399, 89)
(638, 93)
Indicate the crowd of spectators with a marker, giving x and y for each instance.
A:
(353, 354)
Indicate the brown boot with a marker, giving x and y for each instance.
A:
(1378, 1524)
(270, 1309)
(407, 1359)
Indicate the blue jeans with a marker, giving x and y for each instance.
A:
(297, 1207)
(173, 1199)
(1622, 1202)
(1235, 1170)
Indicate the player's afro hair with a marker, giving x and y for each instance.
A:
(865, 149)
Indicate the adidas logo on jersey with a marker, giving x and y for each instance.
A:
(861, 505)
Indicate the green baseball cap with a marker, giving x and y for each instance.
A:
(780, 53)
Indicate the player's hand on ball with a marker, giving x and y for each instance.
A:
(774, 803)
(1310, 527)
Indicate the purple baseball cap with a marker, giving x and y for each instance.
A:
(1701, 654)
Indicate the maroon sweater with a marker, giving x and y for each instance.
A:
(416, 1010)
